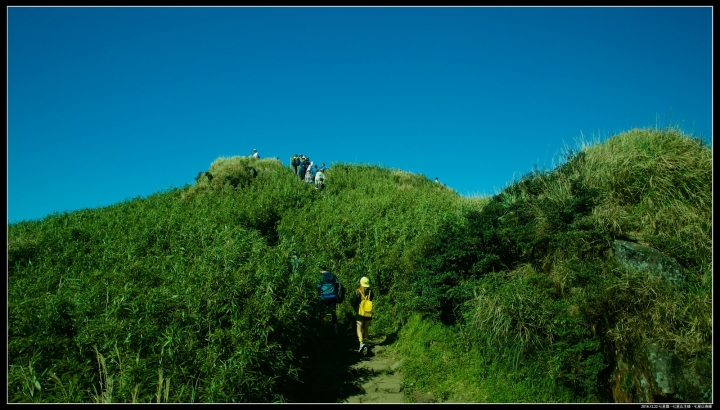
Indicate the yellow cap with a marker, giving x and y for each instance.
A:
(365, 282)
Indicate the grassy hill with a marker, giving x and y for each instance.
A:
(191, 295)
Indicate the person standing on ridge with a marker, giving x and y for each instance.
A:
(294, 162)
(328, 287)
(255, 154)
(310, 174)
(301, 169)
(320, 179)
(363, 322)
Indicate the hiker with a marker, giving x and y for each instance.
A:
(320, 179)
(322, 167)
(255, 154)
(437, 180)
(310, 175)
(363, 322)
(294, 162)
(327, 287)
(301, 169)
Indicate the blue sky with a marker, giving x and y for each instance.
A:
(111, 103)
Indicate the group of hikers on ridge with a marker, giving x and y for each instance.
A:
(331, 292)
(308, 171)
(303, 167)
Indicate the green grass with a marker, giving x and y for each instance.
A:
(189, 295)
(530, 279)
(441, 361)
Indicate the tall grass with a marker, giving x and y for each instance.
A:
(531, 278)
(189, 295)
(165, 297)
(657, 188)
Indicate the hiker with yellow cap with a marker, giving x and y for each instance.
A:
(362, 304)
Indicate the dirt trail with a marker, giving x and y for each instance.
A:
(382, 380)
(335, 372)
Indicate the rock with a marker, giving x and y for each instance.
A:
(390, 384)
(385, 384)
(421, 397)
(370, 387)
(648, 373)
(392, 398)
(396, 365)
(656, 375)
(634, 255)
(378, 367)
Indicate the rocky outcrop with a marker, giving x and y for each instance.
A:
(634, 255)
(649, 373)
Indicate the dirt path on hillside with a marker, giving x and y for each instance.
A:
(380, 377)
(336, 373)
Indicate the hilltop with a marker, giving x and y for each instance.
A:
(591, 282)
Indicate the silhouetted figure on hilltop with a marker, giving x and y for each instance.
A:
(320, 179)
(310, 174)
(294, 163)
(301, 169)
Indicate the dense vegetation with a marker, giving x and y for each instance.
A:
(528, 284)
(190, 295)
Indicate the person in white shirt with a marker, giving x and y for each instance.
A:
(320, 179)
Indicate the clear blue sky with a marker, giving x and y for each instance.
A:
(111, 103)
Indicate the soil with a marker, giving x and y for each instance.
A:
(382, 380)
(338, 373)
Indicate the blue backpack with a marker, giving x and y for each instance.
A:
(330, 288)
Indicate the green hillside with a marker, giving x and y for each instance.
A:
(191, 295)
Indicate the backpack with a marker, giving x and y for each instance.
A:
(366, 305)
(329, 287)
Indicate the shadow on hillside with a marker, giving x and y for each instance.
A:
(329, 376)
(390, 339)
